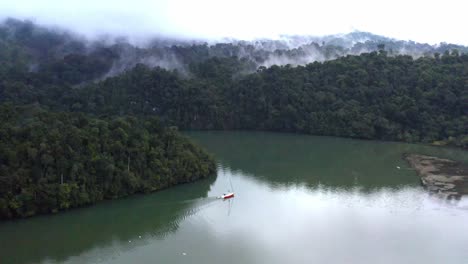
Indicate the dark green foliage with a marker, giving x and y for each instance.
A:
(371, 96)
(55, 161)
(44, 56)
(375, 95)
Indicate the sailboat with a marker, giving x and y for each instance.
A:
(229, 194)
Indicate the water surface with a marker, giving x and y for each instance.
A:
(299, 199)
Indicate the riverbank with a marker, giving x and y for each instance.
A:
(444, 177)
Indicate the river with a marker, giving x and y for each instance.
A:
(299, 199)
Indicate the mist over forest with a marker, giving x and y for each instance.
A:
(109, 91)
(46, 47)
(247, 131)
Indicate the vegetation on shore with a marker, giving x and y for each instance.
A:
(374, 95)
(371, 96)
(55, 161)
(74, 131)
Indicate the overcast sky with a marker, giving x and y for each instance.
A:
(423, 21)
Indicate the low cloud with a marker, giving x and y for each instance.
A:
(247, 19)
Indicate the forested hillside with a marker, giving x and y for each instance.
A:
(55, 161)
(371, 96)
(84, 121)
(65, 57)
(374, 95)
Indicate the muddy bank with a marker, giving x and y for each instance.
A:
(446, 178)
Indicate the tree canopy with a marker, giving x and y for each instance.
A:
(370, 96)
(54, 161)
(82, 122)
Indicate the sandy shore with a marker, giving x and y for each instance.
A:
(446, 178)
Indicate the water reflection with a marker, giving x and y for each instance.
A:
(322, 224)
(55, 238)
(299, 199)
(284, 159)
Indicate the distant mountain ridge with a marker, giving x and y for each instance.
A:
(38, 48)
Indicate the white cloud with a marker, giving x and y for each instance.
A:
(424, 21)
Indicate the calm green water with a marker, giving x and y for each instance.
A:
(300, 199)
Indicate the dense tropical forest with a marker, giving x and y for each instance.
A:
(54, 161)
(83, 121)
(371, 96)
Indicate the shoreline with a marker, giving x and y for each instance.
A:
(443, 177)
